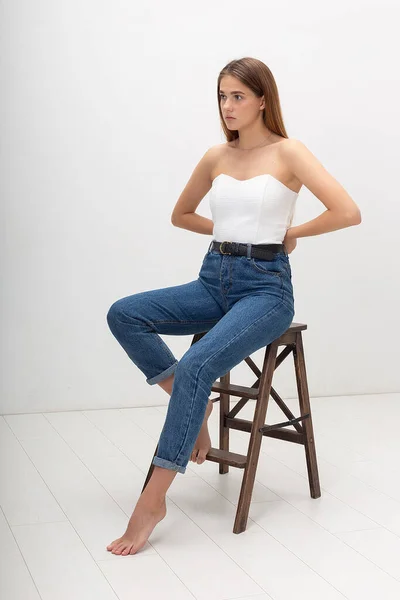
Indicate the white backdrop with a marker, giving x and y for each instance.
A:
(107, 107)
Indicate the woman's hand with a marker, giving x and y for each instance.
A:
(289, 242)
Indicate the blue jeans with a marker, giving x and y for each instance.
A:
(243, 304)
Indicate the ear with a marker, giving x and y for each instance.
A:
(262, 100)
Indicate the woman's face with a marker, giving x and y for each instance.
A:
(239, 102)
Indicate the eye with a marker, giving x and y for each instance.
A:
(236, 95)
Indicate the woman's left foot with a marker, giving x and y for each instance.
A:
(142, 522)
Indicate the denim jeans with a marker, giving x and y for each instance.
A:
(243, 304)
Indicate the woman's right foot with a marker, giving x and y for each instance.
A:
(142, 522)
(203, 442)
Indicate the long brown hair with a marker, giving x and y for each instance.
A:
(258, 77)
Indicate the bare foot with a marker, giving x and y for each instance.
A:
(203, 442)
(142, 522)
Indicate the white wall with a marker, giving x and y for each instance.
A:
(106, 108)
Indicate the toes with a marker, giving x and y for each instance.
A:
(123, 549)
(113, 544)
(118, 548)
(194, 455)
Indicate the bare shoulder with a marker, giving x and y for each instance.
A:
(294, 152)
(217, 150)
(292, 147)
(217, 153)
(211, 157)
(299, 157)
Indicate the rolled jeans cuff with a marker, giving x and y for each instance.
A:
(163, 375)
(167, 464)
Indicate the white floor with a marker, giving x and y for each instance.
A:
(69, 482)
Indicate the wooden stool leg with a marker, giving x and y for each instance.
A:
(256, 436)
(304, 401)
(224, 408)
(150, 471)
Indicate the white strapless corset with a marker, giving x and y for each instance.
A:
(258, 210)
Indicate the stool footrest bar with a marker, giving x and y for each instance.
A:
(285, 424)
(226, 457)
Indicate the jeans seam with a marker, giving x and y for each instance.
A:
(177, 321)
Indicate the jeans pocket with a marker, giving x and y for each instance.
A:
(269, 267)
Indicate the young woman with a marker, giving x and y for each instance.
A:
(243, 296)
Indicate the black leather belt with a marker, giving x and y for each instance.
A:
(263, 251)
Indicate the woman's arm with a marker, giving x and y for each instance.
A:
(341, 211)
(196, 223)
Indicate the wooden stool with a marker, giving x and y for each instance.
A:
(260, 391)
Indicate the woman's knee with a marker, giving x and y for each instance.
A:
(116, 313)
(130, 310)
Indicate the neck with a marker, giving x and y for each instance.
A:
(253, 136)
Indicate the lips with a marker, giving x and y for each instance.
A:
(229, 117)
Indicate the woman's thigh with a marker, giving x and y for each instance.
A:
(252, 323)
(182, 309)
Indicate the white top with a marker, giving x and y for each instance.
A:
(258, 210)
